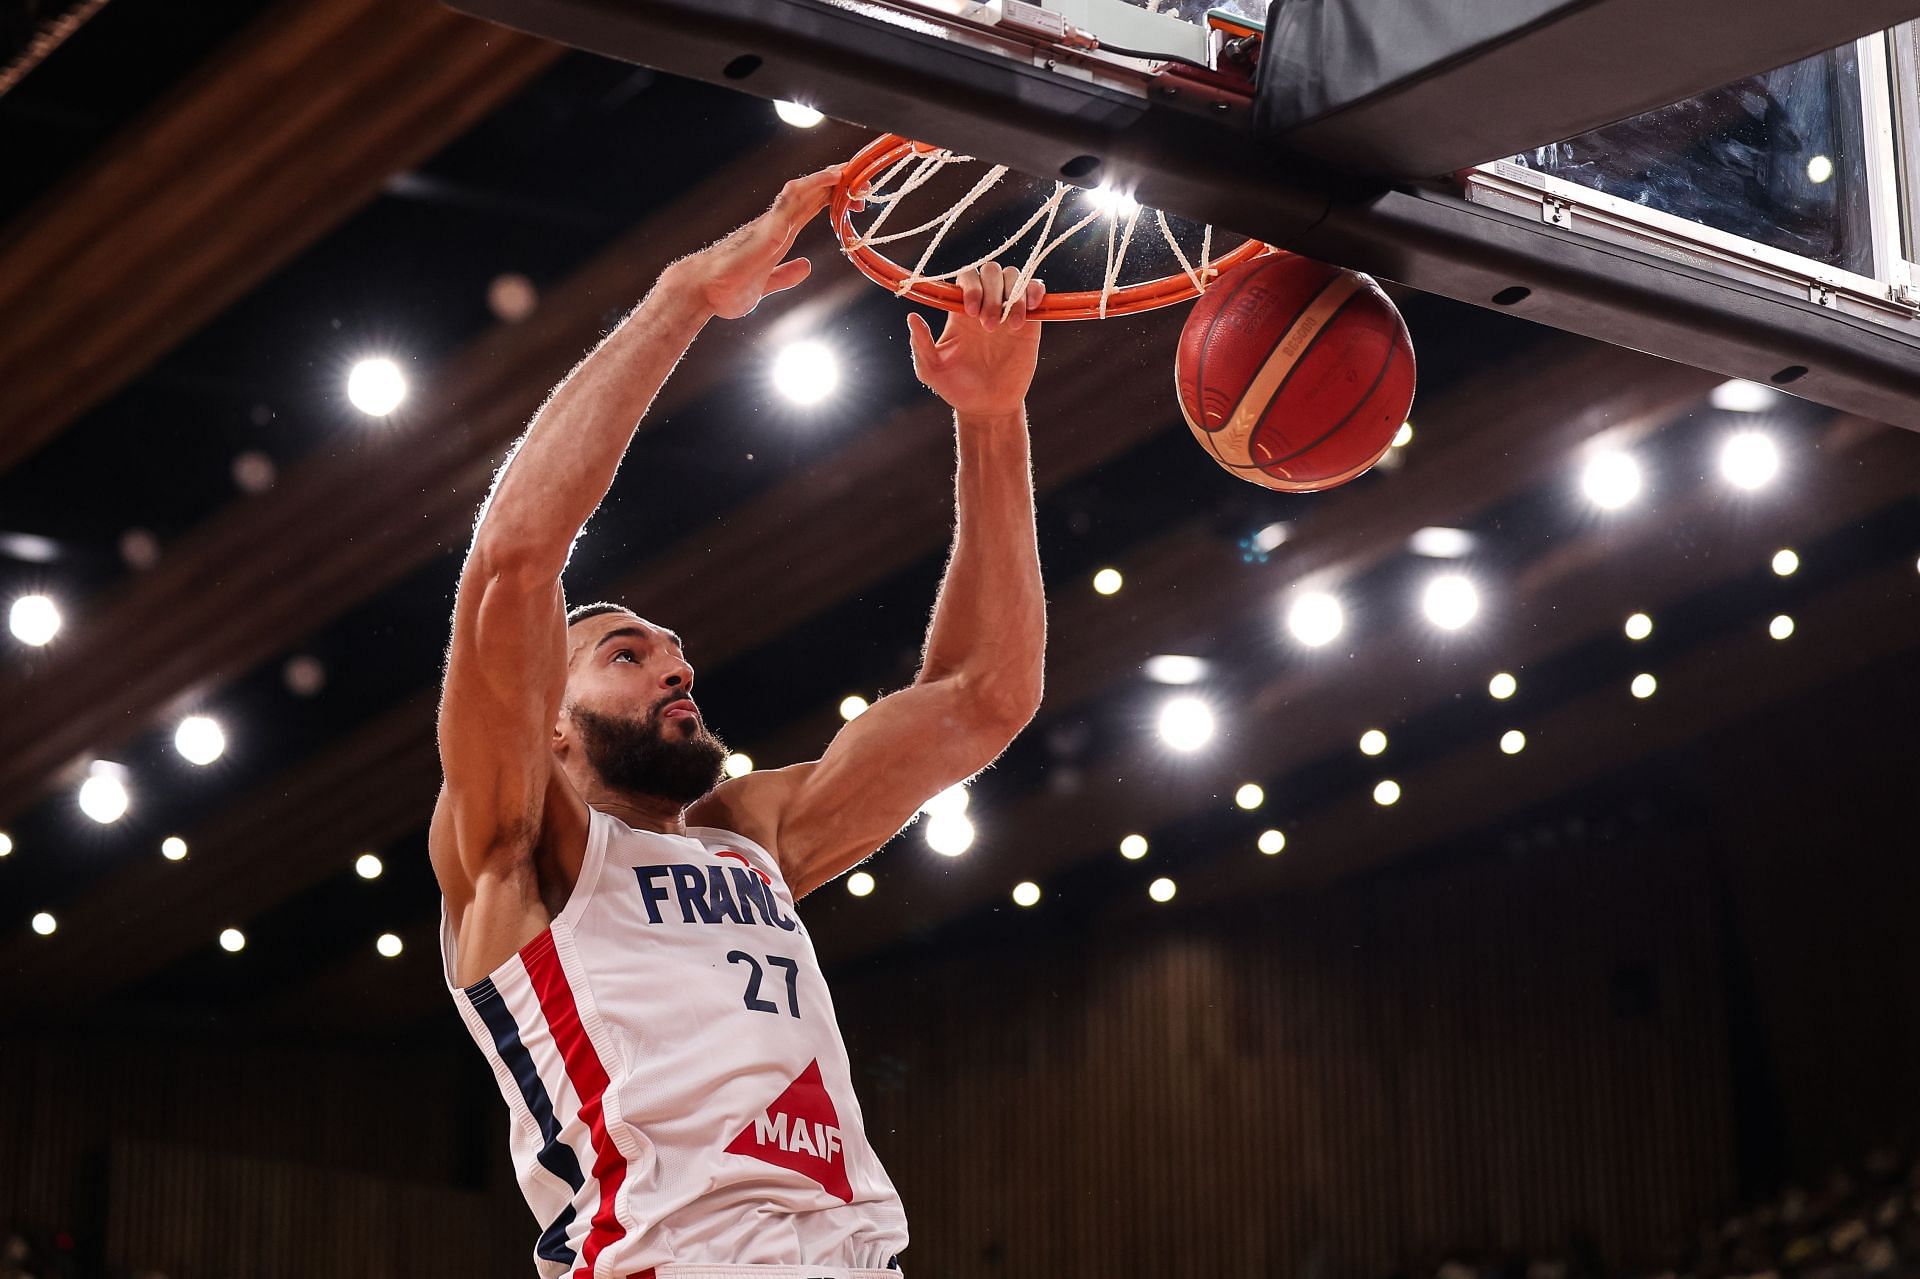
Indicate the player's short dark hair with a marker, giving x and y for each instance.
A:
(581, 612)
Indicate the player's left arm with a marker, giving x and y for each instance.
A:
(980, 675)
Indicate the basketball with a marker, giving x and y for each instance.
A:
(1293, 374)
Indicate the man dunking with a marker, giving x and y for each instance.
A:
(619, 930)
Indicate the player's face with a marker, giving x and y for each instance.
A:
(629, 706)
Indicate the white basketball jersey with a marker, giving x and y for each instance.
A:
(678, 1086)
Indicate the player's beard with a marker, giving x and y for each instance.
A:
(646, 755)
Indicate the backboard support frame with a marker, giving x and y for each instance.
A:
(1197, 157)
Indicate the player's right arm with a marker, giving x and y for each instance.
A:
(505, 810)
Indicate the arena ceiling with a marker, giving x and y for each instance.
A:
(217, 208)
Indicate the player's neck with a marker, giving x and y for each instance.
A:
(642, 812)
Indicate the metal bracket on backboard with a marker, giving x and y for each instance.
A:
(1555, 212)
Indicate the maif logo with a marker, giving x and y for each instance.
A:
(800, 1132)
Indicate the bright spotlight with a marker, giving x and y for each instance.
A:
(950, 834)
(199, 739)
(1786, 563)
(806, 372)
(1611, 480)
(1780, 627)
(1439, 543)
(1133, 847)
(34, 619)
(1186, 723)
(368, 866)
(376, 387)
(860, 883)
(1272, 841)
(173, 848)
(388, 945)
(1639, 626)
(1749, 460)
(1403, 436)
(1819, 169)
(852, 706)
(1107, 581)
(950, 802)
(1450, 602)
(1171, 668)
(1113, 203)
(1386, 793)
(1513, 741)
(1643, 685)
(1316, 619)
(6, 844)
(1502, 686)
(232, 940)
(103, 797)
(1250, 796)
(44, 924)
(1740, 396)
(1161, 890)
(737, 764)
(797, 114)
(1026, 893)
(1372, 742)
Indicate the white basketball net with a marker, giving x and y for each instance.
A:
(915, 170)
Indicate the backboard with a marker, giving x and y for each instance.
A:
(1762, 227)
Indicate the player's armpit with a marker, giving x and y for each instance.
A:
(902, 751)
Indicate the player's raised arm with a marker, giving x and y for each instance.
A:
(980, 677)
(506, 666)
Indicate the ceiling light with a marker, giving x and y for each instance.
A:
(1386, 793)
(1786, 563)
(34, 620)
(44, 924)
(1819, 169)
(860, 883)
(1441, 543)
(1502, 686)
(1270, 537)
(1026, 893)
(1112, 202)
(103, 796)
(1643, 685)
(1639, 626)
(1171, 668)
(1161, 890)
(376, 387)
(950, 834)
(950, 802)
(1611, 480)
(852, 706)
(232, 940)
(1749, 460)
(1271, 842)
(173, 848)
(1107, 581)
(6, 844)
(1186, 723)
(1780, 627)
(388, 945)
(797, 114)
(1372, 742)
(1133, 847)
(368, 866)
(806, 372)
(1403, 436)
(737, 764)
(1450, 602)
(1740, 396)
(1315, 618)
(1250, 796)
(1513, 741)
(199, 739)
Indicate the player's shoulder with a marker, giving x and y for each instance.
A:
(751, 806)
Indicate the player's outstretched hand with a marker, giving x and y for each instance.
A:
(730, 276)
(984, 361)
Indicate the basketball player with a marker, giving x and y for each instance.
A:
(619, 929)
